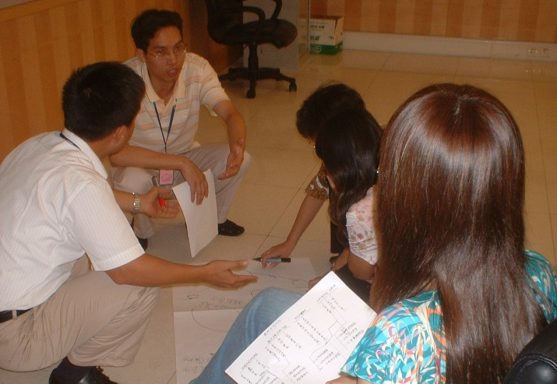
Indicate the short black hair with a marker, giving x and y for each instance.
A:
(148, 22)
(324, 103)
(100, 97)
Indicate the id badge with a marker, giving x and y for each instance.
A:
(166, 177)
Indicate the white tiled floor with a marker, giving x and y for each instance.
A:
(283, 163)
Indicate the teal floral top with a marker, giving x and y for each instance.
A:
(406, 343)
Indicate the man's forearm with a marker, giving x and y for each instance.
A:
(236, 130)
(124, 200)
(235, 124)
(131, 156)
(151, 271)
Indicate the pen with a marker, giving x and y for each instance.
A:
(156, 184)
(275, 259)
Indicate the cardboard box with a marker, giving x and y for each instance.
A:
(325, 34)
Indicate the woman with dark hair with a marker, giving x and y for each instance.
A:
(348, 145)
(332, 108)
(322, 104)
(456, 294)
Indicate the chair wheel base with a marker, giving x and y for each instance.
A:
(261, 74)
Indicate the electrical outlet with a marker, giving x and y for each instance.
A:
(538, 52)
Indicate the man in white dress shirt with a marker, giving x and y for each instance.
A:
(57, 206)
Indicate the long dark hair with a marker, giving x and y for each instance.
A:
(325, 102)
(348, 145)
(450, 197)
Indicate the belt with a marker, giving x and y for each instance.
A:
(9, 315)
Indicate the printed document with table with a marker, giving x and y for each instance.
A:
(309, 343)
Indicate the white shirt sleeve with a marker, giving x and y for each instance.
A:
(99, 225)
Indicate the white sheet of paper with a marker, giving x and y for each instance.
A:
(292, 276)
(201, 220)
(198, 335)
(310, 342)
(203, 314)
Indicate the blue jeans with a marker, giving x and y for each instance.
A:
(260, 312)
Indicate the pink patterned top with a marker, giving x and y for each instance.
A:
(359, 225)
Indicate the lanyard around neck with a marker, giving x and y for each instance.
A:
(69, 141)
(165, 138)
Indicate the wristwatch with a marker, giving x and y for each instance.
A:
(136, 202)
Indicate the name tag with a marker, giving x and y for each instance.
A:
(166, 177)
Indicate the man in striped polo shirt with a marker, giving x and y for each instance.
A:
(163, 144)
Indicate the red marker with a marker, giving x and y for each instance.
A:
(162, 202)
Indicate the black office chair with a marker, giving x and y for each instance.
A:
(226, 26)
(537, 363)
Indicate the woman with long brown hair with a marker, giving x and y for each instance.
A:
(458, 297)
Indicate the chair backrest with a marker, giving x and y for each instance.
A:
(223, 16)
(537, 363)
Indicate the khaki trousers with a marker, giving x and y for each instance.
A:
(90, 319)
(211, 156)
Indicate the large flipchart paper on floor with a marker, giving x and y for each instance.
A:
(310, 342)
(292, 276)
(203, 314)
(201, 219)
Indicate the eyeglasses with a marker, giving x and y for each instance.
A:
(161, 53)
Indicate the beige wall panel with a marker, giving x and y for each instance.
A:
(508, 26)
(85, 32)
(439, 18)
(405, 17)
(320, 7)
(423, 17)
(471, 19)
(352, 16)
(547, 21)
(42, 41)
(15, 115)
(455, 15)
(527, 20)
(490, 17)
(387, 16)
(337, 7)
(33, 107)
(520, 20)
(73, 38)
(24, 33)
(105, 10)
(49, 89)
(7, 135)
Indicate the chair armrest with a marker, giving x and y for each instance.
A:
(278, 7)
(276, 11)
(537, 363)
(258, 11)
(234, 9)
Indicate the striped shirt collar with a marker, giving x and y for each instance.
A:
(179, 88)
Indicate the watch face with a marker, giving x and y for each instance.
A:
(136, 203)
